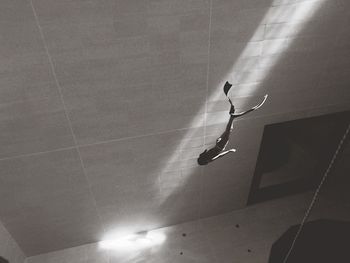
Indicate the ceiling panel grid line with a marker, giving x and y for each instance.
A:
(59, 88)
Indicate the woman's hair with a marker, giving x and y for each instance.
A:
(203, 158)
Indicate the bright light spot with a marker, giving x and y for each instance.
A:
(133, 242)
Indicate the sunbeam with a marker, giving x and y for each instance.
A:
(245, 71)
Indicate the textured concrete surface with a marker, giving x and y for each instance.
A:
(105, 105)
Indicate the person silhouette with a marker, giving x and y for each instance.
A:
(219, 149)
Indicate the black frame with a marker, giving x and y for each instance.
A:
(336, 121)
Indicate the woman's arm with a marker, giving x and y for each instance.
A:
(252, 109)
(223, 154)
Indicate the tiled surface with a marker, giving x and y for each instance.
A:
(9, 248)
(223, 238)
(31, 113)
(122, 58)
(139, 180)
(43, 193)
(133, 79)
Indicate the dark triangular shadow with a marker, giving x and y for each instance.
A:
(319, 241)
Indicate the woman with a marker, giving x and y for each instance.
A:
(219, 149)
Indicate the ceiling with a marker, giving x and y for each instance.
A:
(106, 104)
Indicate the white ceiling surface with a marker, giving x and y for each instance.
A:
(105, 106)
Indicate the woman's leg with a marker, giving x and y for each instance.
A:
(229, 126)
(225, 136)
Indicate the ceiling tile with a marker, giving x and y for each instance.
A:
(137, 177)
(32, 117)
(122, 55)
(51, 192)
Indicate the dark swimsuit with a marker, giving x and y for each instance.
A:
(215, 151)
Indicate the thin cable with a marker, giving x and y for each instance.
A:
(59, 88)
(316, 193)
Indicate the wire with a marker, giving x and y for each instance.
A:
(314, 198)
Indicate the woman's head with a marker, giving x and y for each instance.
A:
(203, 158)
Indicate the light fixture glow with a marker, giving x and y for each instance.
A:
(133, 242)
